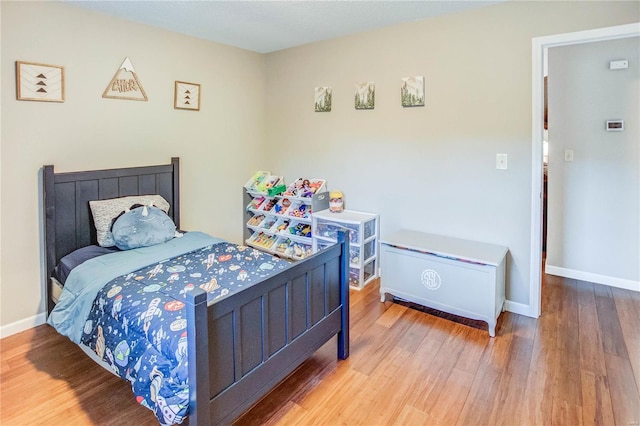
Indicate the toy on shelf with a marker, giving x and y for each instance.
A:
(282, 206)
(282, 246)
(301, 230)
(277, 190)
(300, 210)
(268, 182)
(301, 251)
(263, 240)
(315, 186)
(292, 188)
(268, 223)
(294, 250)
(255, 220)
(256, 203)
(256, 180)
(269, 205)
(304, 188)
(280, 226)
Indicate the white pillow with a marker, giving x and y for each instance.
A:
(104, 211)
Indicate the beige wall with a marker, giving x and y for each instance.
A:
(433, 168)
(430, 168)
(219, 146)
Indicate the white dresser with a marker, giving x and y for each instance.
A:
(462, 277)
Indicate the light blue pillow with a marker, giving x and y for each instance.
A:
(142, 227)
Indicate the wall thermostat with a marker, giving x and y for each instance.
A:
(619, 64)
(615, 125)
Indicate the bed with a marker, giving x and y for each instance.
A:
(239, 346)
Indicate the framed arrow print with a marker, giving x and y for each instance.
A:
(39, 82)
(187, 96)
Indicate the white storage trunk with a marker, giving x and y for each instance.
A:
(464, 278)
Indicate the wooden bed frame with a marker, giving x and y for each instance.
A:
(242, 346)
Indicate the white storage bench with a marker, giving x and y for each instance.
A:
(453, 275)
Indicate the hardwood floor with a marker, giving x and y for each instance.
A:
(579, 363)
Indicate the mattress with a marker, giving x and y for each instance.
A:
(56, 289)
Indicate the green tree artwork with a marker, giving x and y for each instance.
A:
(365, 95)
(323, 99)
(412, 91)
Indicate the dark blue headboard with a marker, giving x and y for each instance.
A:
(68, 221)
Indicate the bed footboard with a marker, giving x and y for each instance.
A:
(241, 347)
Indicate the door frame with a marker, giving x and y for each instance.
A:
(538, 63)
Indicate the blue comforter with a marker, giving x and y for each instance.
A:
(128, 307)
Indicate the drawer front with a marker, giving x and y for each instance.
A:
(369, 229)
(328, 229)
(440, 283)
(369, 249)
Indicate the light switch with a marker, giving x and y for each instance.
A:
(501, 161)
(568, 155)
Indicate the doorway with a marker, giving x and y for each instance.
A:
(540, 45)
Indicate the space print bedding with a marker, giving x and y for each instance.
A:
(128, 307)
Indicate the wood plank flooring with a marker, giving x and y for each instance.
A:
(578, 364)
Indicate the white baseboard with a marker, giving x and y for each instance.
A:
(25, 324)
(517, 308)
(593, 278)
(22, 325)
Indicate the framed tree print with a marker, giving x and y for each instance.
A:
(323, 97)
(412, 91)
(365, 95)
(186, 96)
(39, 82)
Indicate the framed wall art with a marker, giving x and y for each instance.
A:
(186, 96)
(39, 82)
(412, 91)
(365, 95)
(125, 84)
(323, 99)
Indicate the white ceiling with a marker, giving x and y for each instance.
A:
(269, 25)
